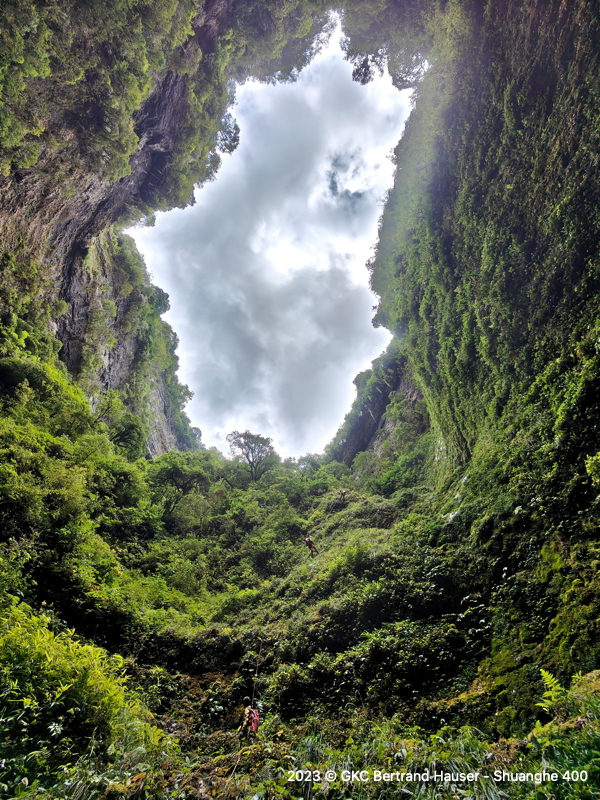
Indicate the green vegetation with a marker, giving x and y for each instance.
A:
(92, 62)
(73, 76)
(450, 619)
(64, 702)
(256, 451)
(121, 303)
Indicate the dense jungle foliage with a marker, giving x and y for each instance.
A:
(449, 621)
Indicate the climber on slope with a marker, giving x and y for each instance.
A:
(249, 721)
(311, 546)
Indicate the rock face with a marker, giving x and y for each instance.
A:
(161, 438)
(57, 207)
(59, 220)
(58, 210)
(386, 427)
(366, 422)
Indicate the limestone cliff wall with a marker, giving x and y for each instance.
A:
(57, 210)
(365, 425)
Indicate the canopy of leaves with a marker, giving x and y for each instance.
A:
(256, 451)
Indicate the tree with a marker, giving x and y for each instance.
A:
(175, 475)
(228, 137)
(256, 451)
(129, 434)
(125, 430)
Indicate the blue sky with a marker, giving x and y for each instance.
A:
(266, 272)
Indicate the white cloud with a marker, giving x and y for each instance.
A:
(266, 273)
